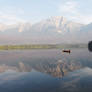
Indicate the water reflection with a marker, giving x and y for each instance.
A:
(45, 71)
(20, 68)
(56, 69)
(56, 65)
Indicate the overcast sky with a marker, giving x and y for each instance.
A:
(12, 11)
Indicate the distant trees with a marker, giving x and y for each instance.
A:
(42, 46)
(90, 46)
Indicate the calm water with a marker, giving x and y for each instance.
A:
(45, 71)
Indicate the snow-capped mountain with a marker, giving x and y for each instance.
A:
(58, 24)
(52, 30)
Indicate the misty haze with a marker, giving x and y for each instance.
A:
(45, 45)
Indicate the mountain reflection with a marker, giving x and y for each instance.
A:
(20, 68)
(59, 68)
(56, 69)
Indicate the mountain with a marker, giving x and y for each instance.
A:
(52, 30)
(15, 27)
(58, 24)
(86, 33)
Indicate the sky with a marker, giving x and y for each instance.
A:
(16, 11)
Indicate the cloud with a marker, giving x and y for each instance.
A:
(71, 10)
(11, 16)
(69, 7)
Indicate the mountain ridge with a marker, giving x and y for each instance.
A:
(55, 29)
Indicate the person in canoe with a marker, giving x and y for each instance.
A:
(67, 51)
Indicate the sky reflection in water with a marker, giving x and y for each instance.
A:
(45, 70)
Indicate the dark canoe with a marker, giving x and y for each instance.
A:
(67, 51)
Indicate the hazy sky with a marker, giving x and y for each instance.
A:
(12, 11)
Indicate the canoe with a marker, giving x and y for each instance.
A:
(67, 51)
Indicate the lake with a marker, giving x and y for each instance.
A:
(45, 71)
